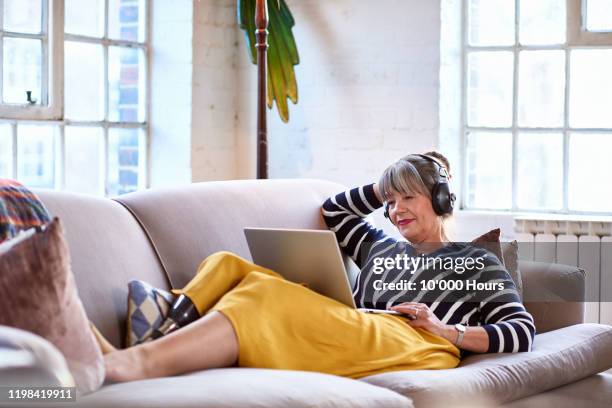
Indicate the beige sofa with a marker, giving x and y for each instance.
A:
(160, 236)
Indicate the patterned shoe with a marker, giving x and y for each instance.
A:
(148, 309)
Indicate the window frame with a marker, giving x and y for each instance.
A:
(576, 39)
(577, 35)
(105, 123)
(54, 114)
(52, 81)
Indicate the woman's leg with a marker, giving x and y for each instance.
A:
(283, 325)
(209, 342)
(217, 275)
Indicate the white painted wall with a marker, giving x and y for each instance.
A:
(171, 93)
(368, 91)
(371, 84)
(214, 108)
(368, 86)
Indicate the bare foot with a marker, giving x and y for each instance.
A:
(126, 365)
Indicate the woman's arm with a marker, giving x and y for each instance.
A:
(506, 326)
(345, 215)
(509, 325)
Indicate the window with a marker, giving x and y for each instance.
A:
(537, 97)
(29, 84)
(98, 144)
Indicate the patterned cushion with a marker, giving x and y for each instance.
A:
(20, 210)
(147, 309)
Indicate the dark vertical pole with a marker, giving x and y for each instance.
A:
(261, 36)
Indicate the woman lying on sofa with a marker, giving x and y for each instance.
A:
(252, 317)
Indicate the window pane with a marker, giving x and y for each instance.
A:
(490, 88)
(590, 88)
(85, 17)
(24, 16)
(22, 70)
(540, 171)
(126, 20)
(84, 81)
(541, 88)
(84, 159)
(599, 15)
(36, 155)
(489, 178)
(542, 22)
(589, 185)
(124, 160)
(126, 84)
(491, 22)
(6, 151)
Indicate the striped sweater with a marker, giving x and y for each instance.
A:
(495, 305)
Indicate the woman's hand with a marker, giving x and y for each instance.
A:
(475, 338)
(424, 318)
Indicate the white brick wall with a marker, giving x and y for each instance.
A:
(213, 142)
(368, 90)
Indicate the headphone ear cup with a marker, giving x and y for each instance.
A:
(453, 197)
(442, 199)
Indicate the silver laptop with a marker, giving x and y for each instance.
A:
(305, 256)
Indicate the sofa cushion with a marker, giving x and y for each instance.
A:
(592, 392)
(506, 253)
(20, 209)
(554, 294)
(245, 387)
(38, 294)
(490, 241)
(108, 248)
(557, 358)
(510, 253)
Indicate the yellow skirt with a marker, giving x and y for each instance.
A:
(284, 325)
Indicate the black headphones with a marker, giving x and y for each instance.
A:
(442, 199)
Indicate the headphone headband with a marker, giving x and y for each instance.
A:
(442, 170)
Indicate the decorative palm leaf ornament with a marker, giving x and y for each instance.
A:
(282, 51)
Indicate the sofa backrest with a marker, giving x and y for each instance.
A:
(108, 248)
(186, 224)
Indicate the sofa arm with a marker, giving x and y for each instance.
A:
(27, 359)
(553, 293)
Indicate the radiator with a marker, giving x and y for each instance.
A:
(586, 243)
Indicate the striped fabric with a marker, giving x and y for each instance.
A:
(500, 312)
(20, 209)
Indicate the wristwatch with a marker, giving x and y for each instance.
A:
(461, 329)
